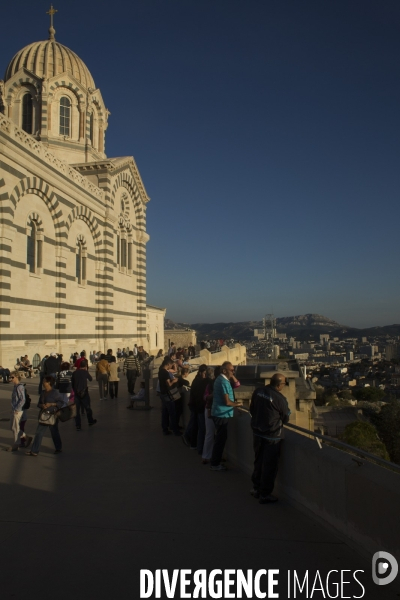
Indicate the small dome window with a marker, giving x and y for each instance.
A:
(65, 116)
(27, 113)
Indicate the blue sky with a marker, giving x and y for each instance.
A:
(267, 136)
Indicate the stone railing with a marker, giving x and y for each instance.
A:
(357, 498)
(35, 146)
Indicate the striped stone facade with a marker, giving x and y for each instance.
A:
(72, 251)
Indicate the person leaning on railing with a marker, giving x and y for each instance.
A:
(221, 412)
(269, 411)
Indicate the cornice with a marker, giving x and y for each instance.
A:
(30, 143)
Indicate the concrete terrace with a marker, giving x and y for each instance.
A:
(122, 497)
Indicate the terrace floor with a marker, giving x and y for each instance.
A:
(123, 497)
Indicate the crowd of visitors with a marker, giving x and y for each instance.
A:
(64, 393)
(64, 385)
(211, 402)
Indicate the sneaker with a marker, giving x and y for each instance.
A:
(57, 451)
(185, 440)
(93, 423)
(268, 499)
(255, 493)
(193, 447)
(78, 428)
(218, 468)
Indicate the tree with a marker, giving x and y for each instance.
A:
(346, 395)
(365, 437)
(370, 394)
(388, 425)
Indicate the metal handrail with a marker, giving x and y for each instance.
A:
(339, 444)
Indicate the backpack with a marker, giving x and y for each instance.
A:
(28, 399)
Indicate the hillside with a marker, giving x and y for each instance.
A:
(302, 327)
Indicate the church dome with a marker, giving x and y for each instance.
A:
(49, 58)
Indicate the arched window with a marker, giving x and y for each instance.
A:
(27, 113)
(81, 262)
(34, 248)
(124, 250)
(36, 361)
(65, 116)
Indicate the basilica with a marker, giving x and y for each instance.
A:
(72, 221)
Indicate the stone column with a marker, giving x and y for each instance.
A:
(101, 139)
(82, 118)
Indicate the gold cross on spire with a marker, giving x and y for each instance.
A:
(51, 12)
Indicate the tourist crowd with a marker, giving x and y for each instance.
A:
(64, 394)
(211, 401)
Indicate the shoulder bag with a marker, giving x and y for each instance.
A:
(174, 394)
(67, 412)
(48, 416)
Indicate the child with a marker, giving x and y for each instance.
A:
(139, 396)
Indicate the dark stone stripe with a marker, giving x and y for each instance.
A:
(70, 336)
(5, 324)
(11, 170)
(5, 311)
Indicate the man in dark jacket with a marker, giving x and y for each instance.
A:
(269, 411)
(52, 365)
(80, 380)
(194, 437)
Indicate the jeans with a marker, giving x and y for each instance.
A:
(40, 431)
(85, 402)
(209, 439)
(221, 435)
(131, 376)
(113, 388)
(192, 427)
(102, 379)
(168, 415)
(265, 464)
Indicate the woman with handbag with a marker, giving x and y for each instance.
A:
(50, 402)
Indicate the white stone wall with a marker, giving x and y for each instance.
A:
(155, 329)
(50, 309)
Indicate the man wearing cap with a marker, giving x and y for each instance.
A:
(269, 411)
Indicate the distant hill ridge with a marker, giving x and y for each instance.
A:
(301, 327)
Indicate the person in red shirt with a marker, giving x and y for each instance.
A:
(82, 357)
